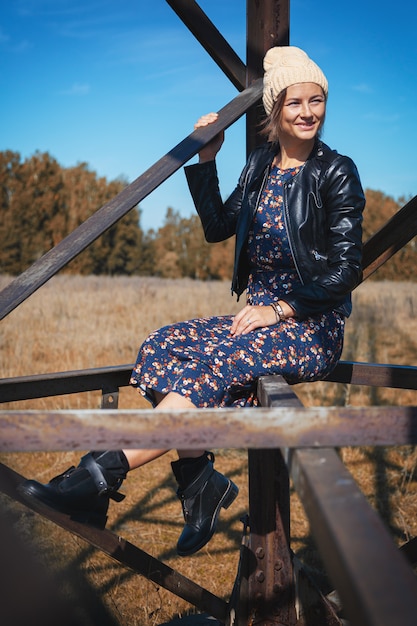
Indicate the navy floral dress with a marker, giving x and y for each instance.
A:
(202, 361)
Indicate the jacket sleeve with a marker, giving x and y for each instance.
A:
(218, 218)
(339, 257)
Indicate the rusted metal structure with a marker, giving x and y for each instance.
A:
(284, 439)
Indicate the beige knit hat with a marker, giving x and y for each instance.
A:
(285, 66)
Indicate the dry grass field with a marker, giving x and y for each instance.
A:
(78, 323)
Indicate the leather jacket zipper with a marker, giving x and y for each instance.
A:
(318, 256)
(286, 220)
(235, 282)
(261, 189)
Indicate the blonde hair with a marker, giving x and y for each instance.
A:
(272, 122)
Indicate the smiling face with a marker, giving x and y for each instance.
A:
(303, 112)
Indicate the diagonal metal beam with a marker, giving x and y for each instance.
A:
(212, 40)
(376, 585)
(59, 256)
(352, 539)
(393, 236)
(122, 551)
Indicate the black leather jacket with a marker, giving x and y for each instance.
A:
(323, 207)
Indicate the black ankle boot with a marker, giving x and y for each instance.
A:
(203, 492)
(84, 491)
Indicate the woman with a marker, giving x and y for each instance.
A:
(296, 213)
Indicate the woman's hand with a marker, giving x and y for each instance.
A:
(252, 317)
(208, 153)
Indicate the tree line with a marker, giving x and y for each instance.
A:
(42, 202)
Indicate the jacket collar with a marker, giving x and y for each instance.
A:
(265, 154)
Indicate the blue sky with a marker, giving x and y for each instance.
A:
(118, 83)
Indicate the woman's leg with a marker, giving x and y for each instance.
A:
(84, 491)
(201, 489)
(172, 400)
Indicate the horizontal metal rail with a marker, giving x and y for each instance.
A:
(62, 383)
(50, 263)
(109, 379)
(374, 375)
(38, 430)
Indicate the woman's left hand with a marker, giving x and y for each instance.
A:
(252, 317)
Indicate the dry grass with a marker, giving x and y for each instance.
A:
(76, 323)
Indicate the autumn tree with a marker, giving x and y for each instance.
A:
(181, 250)
(116, 251)
(10, 186)
(31, 209)
(41, 203)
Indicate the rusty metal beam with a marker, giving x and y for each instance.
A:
(351, 537)
(268, 25)
(197, 428)
(212, 41)
(376, 585)
(285, 578)
(47, 266)
(122, 551)
(271, 589)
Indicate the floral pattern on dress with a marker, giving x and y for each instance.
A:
(202, 361)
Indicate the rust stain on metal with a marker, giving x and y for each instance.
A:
(228, 428)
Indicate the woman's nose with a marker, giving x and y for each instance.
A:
(305, 110)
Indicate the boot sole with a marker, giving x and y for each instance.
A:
(30, 493)
(228, 498)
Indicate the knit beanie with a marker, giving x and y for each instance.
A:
(285, 66)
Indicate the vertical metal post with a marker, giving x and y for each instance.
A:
(271, 589)
(267, 26)
(268, 595)
(271, 593)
